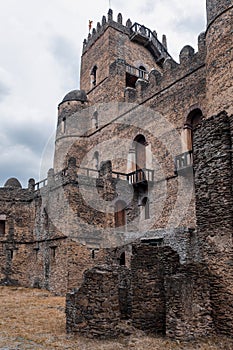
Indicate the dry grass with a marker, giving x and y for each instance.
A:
(35, 319)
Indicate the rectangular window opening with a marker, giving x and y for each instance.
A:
(2, 227)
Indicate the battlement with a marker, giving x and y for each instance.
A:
(136, 32)
(170, 72)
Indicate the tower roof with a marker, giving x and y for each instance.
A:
(13, 183)
(75, 95)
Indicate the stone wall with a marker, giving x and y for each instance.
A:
(149, 266)
(214, 203)
(95, 309)
(188, 304)
(219, 57)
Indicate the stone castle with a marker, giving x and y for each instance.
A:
(134, 221)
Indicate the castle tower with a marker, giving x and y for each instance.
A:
(72, 124)
(219, 56)
(115, 55)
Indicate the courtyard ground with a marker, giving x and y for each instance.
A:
(35, 319)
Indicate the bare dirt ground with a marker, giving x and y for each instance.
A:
(35, 319)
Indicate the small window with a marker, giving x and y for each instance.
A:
(10, 254)
(94, 120)
(2, 227)
(122, 259)
(96, 160)
(53, 252)
(145, 203)
(46, 219)
(63, 125)
(93, 76)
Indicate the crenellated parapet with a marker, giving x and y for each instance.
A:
(129, 29)
(169, 73)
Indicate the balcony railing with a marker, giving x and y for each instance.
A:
(139, 73)
(140, 175)
(146, 36)
(183, 162)
(135, 177)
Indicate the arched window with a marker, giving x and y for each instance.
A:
(120, 213)
(93, 75)
(193, 119)
(142, 71)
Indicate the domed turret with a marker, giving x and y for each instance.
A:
(13, 183)
(75, 95)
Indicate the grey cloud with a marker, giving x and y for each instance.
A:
(18, 165)
(148, 6)
(63, 50)
(192, 23)
(4, 91)
(31, 136)
(66, 53)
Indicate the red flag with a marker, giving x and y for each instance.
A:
(90, 24)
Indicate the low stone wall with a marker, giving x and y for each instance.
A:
(149, 267)
(94, 310)
(188, 304)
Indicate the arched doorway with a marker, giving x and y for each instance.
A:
(145, 204)
(193, 119)
(140, 156)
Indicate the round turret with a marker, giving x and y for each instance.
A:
(13, 183)
(218, 57)
(215, 8)
(75, 95)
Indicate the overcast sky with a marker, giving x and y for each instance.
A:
(41, 42)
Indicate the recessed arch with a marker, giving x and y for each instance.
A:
(142, 71)
(194, 117)
(140, 156)
(192, 121)
(120, 213)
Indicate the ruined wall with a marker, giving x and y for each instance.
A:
(149, 267)
(156, 294)
(95, 309)
(188, 304)
(213, 183)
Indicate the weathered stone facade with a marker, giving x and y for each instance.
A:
(135, 219)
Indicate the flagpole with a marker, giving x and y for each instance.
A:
(109, 3)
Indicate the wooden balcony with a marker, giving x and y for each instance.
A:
(183, 163)
(136, 177)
